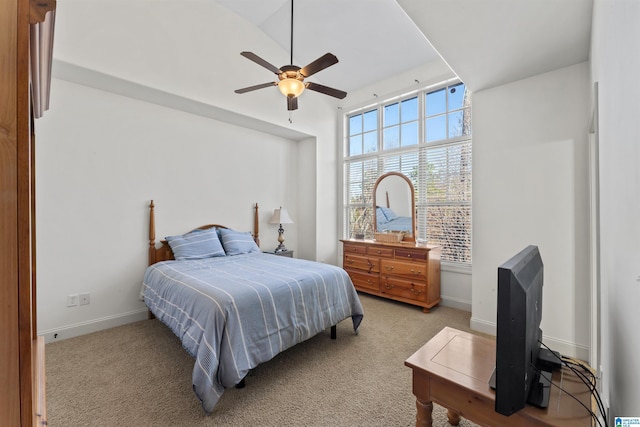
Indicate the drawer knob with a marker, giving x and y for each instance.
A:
(413, 290)
(389, 267)
(350, 261)
(388, 286)
(417, 273)
(408, 255)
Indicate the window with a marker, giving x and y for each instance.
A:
(427, 137)
(400, 128)
(363, 136)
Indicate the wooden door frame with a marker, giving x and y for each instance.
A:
(21, 365)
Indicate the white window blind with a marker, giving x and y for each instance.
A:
(444, 207)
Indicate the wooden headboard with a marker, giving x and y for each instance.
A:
(164, 252)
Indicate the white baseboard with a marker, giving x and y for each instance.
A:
(483, 326)
(95, 325)
(565, 348)
(456, 303)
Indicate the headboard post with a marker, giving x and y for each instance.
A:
(256, 227)
(152, 234)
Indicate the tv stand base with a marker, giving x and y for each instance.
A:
(540, 390)
(549, 360)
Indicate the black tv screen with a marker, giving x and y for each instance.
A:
(518, 335)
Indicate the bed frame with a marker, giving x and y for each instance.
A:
(164, 252)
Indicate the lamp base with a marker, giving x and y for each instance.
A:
(280, 248)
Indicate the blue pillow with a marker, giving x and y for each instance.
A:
(196, 244)
(389, 214)
(237, 242)
(381, 218)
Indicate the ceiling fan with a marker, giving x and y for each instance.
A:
(291, 77)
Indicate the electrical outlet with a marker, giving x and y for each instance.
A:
(72, 300)
(85, 299)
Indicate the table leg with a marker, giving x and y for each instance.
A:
(423, 414)
(453, 417)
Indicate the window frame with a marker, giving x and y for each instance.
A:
(421, 148)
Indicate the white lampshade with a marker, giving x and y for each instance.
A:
(290, 87)
(280, 216)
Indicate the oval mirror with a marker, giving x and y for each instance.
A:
(394, 205)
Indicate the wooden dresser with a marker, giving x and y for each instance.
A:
(400, 271)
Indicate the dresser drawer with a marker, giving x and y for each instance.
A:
(412, 270)
(411, 254)
(354, 249)
(380, 251)
(370, 265)
(403, 288)
(364, 280)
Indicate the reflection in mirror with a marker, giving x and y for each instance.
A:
(394, 204)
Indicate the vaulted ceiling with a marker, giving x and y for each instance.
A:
(492, 42)
(485, 42)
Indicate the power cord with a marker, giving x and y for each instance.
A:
(588, 378)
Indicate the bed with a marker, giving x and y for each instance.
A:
(388, 220)
(234, 307)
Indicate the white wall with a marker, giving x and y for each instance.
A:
(431, 73)
(615, 66)
(191, 48)
(102, 155)
(530, 170)
(100, 159)
(307, 203)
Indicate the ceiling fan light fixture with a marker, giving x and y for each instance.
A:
(291, 87)
(291, 77)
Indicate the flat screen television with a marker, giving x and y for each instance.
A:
(522, 368)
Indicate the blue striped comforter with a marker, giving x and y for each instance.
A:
(232, 313)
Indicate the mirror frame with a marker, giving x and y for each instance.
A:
(411, 238)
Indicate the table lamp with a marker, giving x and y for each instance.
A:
(280, 216)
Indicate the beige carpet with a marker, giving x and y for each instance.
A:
(139, 375)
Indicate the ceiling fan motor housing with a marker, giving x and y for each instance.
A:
(291, 81)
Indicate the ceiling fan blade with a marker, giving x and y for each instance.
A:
(292, 104)
(326, 90)
(326, 60)
(256, 87)
(255, 58)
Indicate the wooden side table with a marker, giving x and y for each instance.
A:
(453, 370)
(288, 253)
